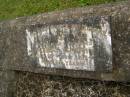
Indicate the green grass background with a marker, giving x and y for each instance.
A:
(16, 8)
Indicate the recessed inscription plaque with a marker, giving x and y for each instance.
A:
(76, 45)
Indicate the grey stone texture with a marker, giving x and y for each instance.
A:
(13, 41)
(7, 83)
(71, 44)
(38, 85)
(14, 55)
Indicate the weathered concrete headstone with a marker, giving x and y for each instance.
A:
(88, 42)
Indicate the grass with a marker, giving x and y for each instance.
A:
(16, 8)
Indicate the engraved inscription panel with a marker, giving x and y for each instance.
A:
(71, 45)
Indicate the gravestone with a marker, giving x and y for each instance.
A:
(88, 43)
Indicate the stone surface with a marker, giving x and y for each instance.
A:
(72, 44)
(15, 51)
(37, 85)
(7, 83)
(19, 53)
